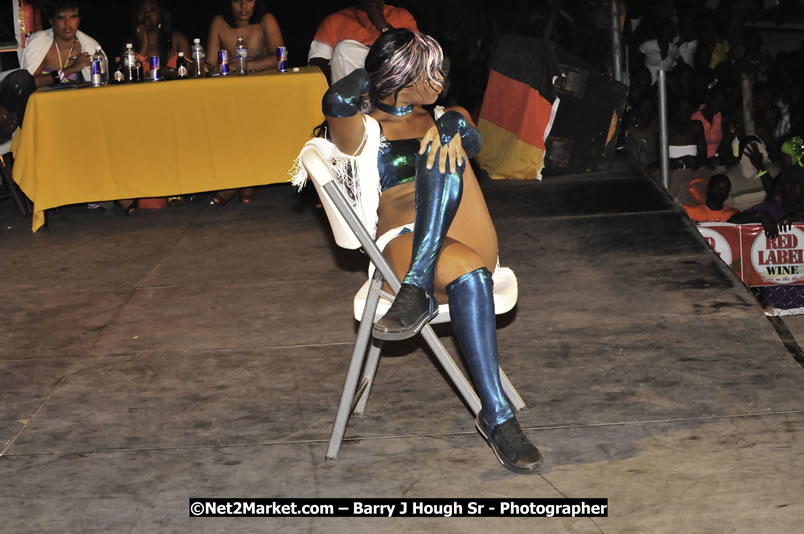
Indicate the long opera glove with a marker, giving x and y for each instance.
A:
(471, 309)
(343, 98)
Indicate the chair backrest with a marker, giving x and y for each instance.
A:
(321, 173)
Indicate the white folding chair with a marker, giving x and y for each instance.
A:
(370, 305)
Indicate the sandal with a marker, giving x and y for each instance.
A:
(247, 196)
(130, 209)
(175, 201)
(221, 198)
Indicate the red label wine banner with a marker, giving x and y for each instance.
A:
(755, 259)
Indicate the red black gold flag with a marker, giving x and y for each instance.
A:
(518, 109)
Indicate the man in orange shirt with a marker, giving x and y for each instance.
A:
(713, 210)
(343, 38)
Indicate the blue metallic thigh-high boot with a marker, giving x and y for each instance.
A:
(471, 309)
(438, 196)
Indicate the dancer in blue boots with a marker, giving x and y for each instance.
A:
(421, 166)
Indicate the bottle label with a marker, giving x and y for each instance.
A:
(241, 52)
(118, 76)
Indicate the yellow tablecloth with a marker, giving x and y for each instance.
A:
(155, 139)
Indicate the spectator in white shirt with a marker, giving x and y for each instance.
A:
(661, 53)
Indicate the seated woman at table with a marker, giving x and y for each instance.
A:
(152, 27)
(420, 160)
(249, 19)
(61, 53)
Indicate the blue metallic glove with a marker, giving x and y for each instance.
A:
(343, 98)
(451, 123)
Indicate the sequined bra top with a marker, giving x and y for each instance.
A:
(396, 161)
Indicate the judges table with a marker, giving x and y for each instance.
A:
(155, 139)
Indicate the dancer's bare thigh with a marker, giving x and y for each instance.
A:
(471, 240)
(456, 259)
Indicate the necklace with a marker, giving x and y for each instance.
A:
(393, 110)
(58, 53)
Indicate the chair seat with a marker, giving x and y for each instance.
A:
(505, 296)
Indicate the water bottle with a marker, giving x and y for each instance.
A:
(199, 57)
(96, 68)
(139, 72)
(241, 55)
(118, 76)
(181, 67)
(104, 65)
(130, 63)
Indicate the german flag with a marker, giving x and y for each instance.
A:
(518, 109)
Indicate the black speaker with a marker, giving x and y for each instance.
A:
(587, 123)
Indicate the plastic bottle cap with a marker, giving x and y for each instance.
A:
(180, 54)
(129, 45)
(197, 40)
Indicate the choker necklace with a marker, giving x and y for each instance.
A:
(393, 110)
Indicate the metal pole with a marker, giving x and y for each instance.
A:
(664, 159)
(748, 105)
(616, 42)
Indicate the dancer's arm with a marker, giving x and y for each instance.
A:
(341, 106)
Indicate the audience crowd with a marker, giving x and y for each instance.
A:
(735, 114)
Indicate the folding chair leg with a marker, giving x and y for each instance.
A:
(22, 205)
(375, 347)
(355, 366)
(453, 371)
(510, 391)
(370, 370)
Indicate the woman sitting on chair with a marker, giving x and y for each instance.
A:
(152, 25)
(426, 178)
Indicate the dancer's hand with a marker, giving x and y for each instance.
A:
(451, 153)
